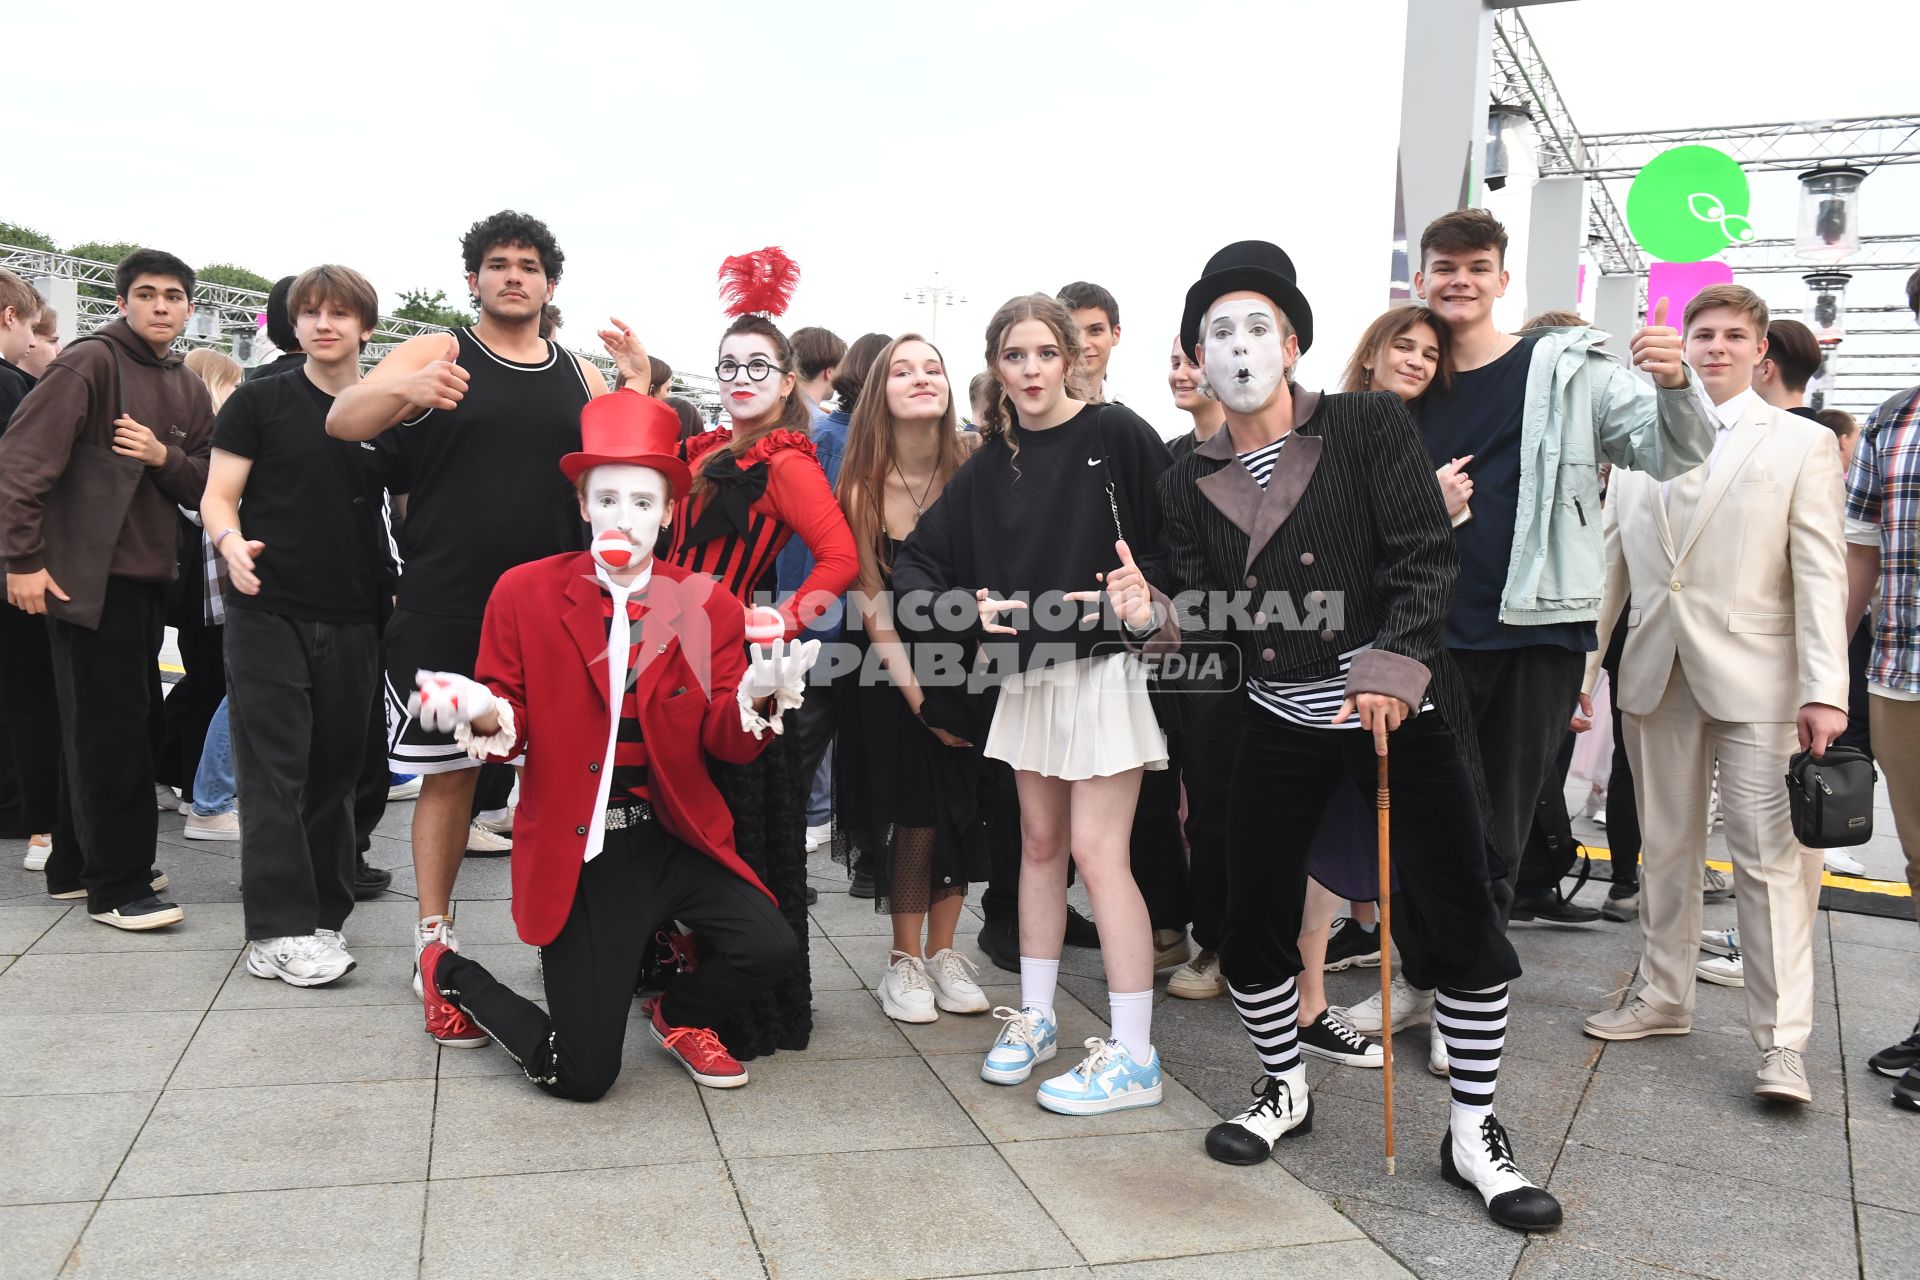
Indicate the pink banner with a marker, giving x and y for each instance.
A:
(1677, 282)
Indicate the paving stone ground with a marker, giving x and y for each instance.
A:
(167, 1115)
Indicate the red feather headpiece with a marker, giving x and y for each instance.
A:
(761, 281)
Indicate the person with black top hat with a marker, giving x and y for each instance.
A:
(1321, 513)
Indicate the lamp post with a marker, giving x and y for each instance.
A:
(939, 296)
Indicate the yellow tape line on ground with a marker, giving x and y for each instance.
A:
(1828, 880)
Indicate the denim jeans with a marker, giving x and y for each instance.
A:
(213, 782)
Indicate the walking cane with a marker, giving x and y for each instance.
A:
(1381, 804)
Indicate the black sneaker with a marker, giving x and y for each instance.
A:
(1081, 931)
(1900, 1058)
(1330, 1038)
(862, 886)
(143, 913)
(813, 896)
(369, 881)
(1000, 942)
(1906, 1091)
(1552, 905)
(1349, 945)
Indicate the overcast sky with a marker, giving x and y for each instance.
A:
(1005, 144)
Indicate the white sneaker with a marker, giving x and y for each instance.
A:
(1725, 971)
(1198, 979)
(166, 798)
(1720, 942)
(1411, 1007)
(432, 929)
(332, 937)
(39, 849)
(1715, 885)
(905, 993)
(482, 839)
(219, 826)
(1436, 1050)
(817, 837)
(1844, 864)
(304, 962)
(955, 988)
(498, 821)
(1476, 1154)
(408, 790)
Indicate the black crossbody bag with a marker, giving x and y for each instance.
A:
(1831, 797)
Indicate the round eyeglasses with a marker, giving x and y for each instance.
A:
(756, 369)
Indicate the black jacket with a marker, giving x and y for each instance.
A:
(1348, 544)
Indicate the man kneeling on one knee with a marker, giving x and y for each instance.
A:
(619, 677)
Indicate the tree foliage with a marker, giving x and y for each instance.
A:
(26, 238)
(417, 305)
(237, 277)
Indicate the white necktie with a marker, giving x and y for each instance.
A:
(618, 644)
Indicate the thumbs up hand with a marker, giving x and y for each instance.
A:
(1659, 351)
(442, 384)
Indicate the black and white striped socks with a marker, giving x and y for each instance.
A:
(1474, 1025)
(1271, 1017)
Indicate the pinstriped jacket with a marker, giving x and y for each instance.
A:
(1348, 544)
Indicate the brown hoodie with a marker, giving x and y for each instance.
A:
(75, 402)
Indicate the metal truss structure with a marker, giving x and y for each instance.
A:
(1520, 76)
(233, 310)
(1789, 146)
(1776, 257)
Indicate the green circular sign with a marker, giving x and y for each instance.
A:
(1688, 204)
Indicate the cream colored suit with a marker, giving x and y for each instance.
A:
(1738, 591)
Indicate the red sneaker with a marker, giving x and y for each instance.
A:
(695, 1048)
(445, 1023)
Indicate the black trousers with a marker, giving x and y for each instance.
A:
(370, 791)
(1158, 861)
(1206, 768)
(1520, 700)
(1001, 802)
(642, 880)
(188, 710)
(1623, 811)
(104, 682)
(1551, 849)
(297, 697)
(1859, 655)
(1282, 777)
(31, 718)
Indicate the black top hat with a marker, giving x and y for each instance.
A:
(1247, 264)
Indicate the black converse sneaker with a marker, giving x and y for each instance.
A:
(1476, 1154)
(1897, 1060)
(1330, 1038)
(1284, 1107)
(1348, 945)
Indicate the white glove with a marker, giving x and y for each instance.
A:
(779, 670)
(445, 699)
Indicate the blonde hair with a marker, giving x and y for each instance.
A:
(1736, 296)
(220, 372)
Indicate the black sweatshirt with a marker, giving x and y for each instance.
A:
(1040, 524)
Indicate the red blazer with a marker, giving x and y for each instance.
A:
(543, 649)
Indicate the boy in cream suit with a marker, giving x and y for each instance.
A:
(1736, 652)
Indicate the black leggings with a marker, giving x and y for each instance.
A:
(1283, 775)
(643, 880)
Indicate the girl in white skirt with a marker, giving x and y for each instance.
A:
(1058, 500)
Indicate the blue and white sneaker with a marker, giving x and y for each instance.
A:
(1108, 1080)
(1028, 1038)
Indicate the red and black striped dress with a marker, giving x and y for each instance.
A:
(733, 531)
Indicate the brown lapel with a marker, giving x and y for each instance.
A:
(586, 622)
(1232, 490)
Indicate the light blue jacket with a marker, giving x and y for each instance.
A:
(1584, 405)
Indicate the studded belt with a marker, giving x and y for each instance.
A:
(636, 813)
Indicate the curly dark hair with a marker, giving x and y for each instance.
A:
(516, 230)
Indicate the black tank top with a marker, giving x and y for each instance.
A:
(483, 483)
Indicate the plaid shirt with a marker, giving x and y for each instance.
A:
(1883, 491)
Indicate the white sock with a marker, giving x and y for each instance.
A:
(1038, 978)
(1132, 1015)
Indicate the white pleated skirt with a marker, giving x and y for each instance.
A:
(1085, 719)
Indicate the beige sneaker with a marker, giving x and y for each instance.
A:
(484, 841)
(219, 826)
(1782, 1077)
(1636, 1021)
(1198, 979)
(1169, 948)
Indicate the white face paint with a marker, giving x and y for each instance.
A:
(629, 502)
(747, 400)
(1246, 351)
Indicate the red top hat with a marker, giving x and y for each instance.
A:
(625, 428)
